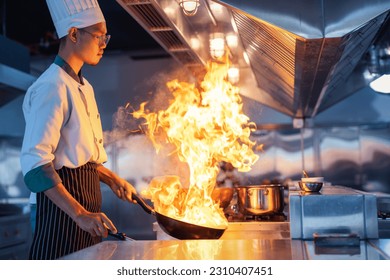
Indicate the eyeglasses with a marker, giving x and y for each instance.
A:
(103, 39)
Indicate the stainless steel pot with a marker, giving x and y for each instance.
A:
(260, 199)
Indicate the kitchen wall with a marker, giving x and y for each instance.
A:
(349, 144)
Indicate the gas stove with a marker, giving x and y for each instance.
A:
(384, 226)
(271, 226)
(383, 215)
(383, 204)
(275, 217)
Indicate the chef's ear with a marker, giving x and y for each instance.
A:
(73, 34)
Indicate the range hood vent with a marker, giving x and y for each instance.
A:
(14, 70)
(152, 18)
(297, 57)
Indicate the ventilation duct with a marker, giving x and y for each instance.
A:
(14, 70)
(297, 57)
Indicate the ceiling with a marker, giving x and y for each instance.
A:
(32, 26)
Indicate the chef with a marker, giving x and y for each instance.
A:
(62, 153)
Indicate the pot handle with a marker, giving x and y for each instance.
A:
(143, 204)
(265, 192)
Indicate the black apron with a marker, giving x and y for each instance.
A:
(56, 234)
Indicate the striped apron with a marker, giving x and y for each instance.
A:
(56, 234)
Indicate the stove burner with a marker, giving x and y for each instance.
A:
(276, 217)
(383, 215)
(271, 217)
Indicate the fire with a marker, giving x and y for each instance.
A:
(206, 126)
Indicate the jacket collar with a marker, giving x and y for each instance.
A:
(64, 65)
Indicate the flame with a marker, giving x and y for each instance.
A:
(206, 126)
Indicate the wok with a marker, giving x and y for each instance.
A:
(179, 229)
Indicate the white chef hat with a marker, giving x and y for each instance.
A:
(74, 13)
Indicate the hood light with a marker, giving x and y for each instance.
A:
(232, 40)
(233, 75)
(246, 58)
(171, 12)
(190, 7)
(382, 84)
(195, 43)
(217, 45)
(216, 8)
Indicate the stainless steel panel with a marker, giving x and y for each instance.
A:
(353, 156)
(254, 249)
(15, 78)
(15, 75)
(340, 154)
(383, 245)
(335, 210)
(14, 229)
(370, 213)
(312, 19)
(375, 163)
(295, 217)
(15, 236)
(364, 251)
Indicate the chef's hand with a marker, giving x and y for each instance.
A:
(123, 189)
(88, 221)
(120, 187)
(96, 224)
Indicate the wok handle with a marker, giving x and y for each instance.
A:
(143, 204)
(120, 235)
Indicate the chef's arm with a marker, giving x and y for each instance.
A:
(94, 223)
(45, 179)
(118, 185)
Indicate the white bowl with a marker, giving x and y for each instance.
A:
(313, 179)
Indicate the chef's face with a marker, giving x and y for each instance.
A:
(93, 41)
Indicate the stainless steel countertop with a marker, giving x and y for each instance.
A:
(248, 241)
(250, 249)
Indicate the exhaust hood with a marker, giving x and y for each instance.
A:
(14, 70)
(297, 57)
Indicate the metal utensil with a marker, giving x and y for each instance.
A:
(305, 174)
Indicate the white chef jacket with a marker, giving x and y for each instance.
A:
(63, 127)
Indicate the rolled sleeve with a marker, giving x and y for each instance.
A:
(43, 107)
(42, 178)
